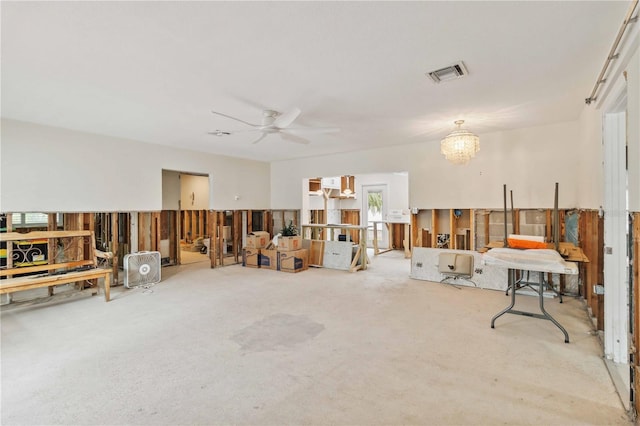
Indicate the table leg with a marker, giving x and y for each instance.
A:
(509, 309)
(376, 250)
(107, 287)
(511, 285)
(546, 314)
(363, 248)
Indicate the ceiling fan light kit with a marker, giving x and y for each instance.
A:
(460, 146)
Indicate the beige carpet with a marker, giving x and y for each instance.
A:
(247, 346)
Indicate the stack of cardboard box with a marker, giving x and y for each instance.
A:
(256, 241)
(288, 256)
(291, 256)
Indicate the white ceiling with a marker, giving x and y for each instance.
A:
(153, 71)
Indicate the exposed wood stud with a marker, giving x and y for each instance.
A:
(237, 235)
(155, 231)
(52, 222)
(591, 242)
(221, 224)
(115, 245)
(452, 230)
(416, 236)
(472, 226)
(213, 247)
(434, 228)
(52, 225)
(635, 286)
(352, 217)
(487, 221)
(201, 220)
(268, 221)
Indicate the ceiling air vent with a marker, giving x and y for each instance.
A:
(451, 72)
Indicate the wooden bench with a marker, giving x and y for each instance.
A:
(51, 258)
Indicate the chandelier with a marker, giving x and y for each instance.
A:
(460, 146)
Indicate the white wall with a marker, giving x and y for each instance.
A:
(194, 192)
(590, 126)
(397, 190)
(529, 161)
(51, 169)
(590, 160)
(170, 190)
(633, 130)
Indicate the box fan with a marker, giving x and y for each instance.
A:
(142, 269)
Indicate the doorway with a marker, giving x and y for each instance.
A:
(185, 206)
(374, 211)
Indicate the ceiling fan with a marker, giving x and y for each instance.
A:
(275, 122)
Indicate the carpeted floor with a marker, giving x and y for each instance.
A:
(235, 345)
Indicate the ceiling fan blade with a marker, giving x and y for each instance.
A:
(249, 102)
(284, 120)
(233, 132)
(244, 131)
(303, 130)
(294, 138)
(234, 118)
(264, 135)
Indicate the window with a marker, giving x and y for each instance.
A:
(26, 220)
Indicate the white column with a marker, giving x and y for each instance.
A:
(616, 277)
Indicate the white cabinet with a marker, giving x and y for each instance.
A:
(331, 182)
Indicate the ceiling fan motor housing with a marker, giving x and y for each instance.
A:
(269, 116)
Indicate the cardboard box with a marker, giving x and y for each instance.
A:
(251, 257)
(293, 261)
(268, 259)
(258, 239)
(289, 243)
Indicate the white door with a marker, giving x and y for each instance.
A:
(374, 208)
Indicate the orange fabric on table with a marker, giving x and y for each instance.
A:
(526, 244)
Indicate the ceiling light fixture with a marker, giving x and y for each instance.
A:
(460, 146)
